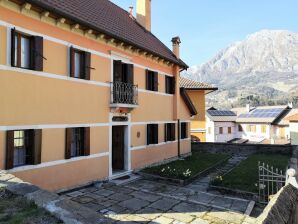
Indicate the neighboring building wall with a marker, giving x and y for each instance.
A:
(210, 131)
(224, 136)
(198, 123)
(256, 135)
(52, 101)
(294, 132)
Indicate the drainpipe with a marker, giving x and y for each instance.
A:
(179, 154)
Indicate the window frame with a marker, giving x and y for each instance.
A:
(82, 63)
(220, 130)
(229, 130)
(240, 128)
(151, 80)
(170, 132)
(18, 50)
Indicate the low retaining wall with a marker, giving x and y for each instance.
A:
(241, 148)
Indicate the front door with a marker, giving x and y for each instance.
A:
(118, 148)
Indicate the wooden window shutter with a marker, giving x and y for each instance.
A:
(155, 140)
(117, 71)
(68, 138)
(130, 73)
(166, 132)
(71, 61)
(29, 146)
(9, 150)
(37, 53)
(173, 85)
(37, 146)
(173, 132)
(155, 81)
(87, 65)
(87, 141)
(13, 48)
(149, 134)
(148, 80)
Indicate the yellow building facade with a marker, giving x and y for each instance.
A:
(79, 105)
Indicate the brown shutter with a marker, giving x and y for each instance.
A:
(155, 140)
(71, 61)
(129, 73)
(155, 81)
(13, 48)
(9, 149)
(149, 134)
(29, 144)
(172, 85)
(117, 71)
(37, 146)
(148, 80)
(87, 65)
(166, 132)
(37, 53)
(68, 137)
(173, 132)
(87, 141)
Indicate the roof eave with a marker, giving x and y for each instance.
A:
(59, 12)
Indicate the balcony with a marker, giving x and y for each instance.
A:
(124, 95)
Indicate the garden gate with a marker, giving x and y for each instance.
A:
(270, 181)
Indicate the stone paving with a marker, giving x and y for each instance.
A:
(146, 201)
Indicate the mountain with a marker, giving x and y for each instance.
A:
(261, 70)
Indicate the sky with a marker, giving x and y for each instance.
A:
(208, 26)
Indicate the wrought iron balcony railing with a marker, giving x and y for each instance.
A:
(124, 93)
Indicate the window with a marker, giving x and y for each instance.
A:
(151, 80)
(80, 62)
(152, 134)
(184, 130)
(170, 132)
(123, 72)
(23, 147)
(26, 51)
(248, 128)
(230, 130)
(263, 128)
(170, 85)
(251, 128)
(221, 130)
(77, 142)
(240, 129)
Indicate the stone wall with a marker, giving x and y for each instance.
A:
(241, 148)
(282, 208)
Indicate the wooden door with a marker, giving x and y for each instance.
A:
(118, 148)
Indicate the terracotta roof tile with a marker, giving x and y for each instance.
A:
(191, 84)
(106, 17)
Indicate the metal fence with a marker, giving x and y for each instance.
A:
(271, 180)
(124, 93)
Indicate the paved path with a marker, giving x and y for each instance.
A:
(147, 201)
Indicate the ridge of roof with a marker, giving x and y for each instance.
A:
(106, 17)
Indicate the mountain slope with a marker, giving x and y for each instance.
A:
(262, 69)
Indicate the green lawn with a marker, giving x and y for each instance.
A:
(16, 210)
(245, 176)
(187, 168)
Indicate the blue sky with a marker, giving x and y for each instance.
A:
(207, 26)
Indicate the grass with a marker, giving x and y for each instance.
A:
(245, 176)
(187, 168)
(16, 210)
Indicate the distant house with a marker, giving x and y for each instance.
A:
(267, 124)
(293, 120)
(221, 125)
(196, 92)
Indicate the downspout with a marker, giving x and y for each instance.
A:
(179, 142)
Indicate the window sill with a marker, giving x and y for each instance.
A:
(119, 105)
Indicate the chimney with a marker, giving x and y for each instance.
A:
(130, 11)
(144, 13)
(247, 108)
(176, 46)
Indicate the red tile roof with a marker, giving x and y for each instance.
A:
(105, 17)
(191, 84)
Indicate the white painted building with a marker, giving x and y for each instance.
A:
(220, 126)
(294, 129)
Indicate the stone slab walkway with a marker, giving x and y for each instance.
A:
(145, 201)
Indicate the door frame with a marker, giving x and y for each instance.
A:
(127, 143)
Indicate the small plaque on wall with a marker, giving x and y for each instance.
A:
(120, 119)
